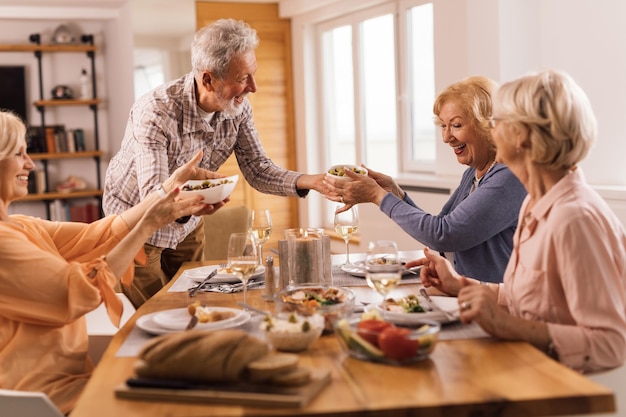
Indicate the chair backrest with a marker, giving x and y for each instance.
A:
(218, 227)
(26, 404)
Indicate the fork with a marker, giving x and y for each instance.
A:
(193, 290)
(434, 307)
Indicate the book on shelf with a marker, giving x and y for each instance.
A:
(55, 138)
(37, 181)
(62, 211)
(85, 213)
(79, 140)
(35, 140)
(32, 182)
(60, 140)
(71, 144)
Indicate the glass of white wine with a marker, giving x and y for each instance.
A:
(242, 258)
(260, 225)
(383, 268)
(346, 224)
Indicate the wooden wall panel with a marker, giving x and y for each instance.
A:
(272, 104)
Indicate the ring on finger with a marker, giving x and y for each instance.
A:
(341, 199)
(465, 306)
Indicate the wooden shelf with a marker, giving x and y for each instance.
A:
(47, 48)
(66, 102)
(64, 155)
(62, 196)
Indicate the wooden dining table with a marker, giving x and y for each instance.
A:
(462, 377)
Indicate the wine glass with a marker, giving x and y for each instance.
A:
(242, 258)
(260, 225)
(346, 224)
(383, 268)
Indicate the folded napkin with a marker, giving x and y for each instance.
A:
(229, 288)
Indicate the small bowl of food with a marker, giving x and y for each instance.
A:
(374, 339)
(339, 171)
(292, 332)
(213, 191)
(332, 303)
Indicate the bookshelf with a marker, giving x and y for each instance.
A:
(44, 104)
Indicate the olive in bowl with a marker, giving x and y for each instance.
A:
(332, 303)
(339, 171)
(213, 191)
(292, 332)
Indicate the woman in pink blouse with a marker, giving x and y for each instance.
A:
(564, 288)
(53, 273)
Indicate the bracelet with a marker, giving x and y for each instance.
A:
(161, 191)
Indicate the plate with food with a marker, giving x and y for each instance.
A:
(176, 320)
(224, 274)
(413, 309)
(358, 268)
(213, 191)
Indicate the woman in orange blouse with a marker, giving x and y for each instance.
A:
(564, 288)
(53, 273)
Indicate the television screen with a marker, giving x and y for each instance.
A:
(13, 90)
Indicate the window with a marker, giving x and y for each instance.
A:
(149, 71)
(363, 119)
(421, 69)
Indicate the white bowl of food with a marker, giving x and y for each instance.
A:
(339, 171)
(332, 303)
(213, 191)
(292, 332)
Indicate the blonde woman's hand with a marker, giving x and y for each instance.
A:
(437, 272)
(190, 171)
(359, 189)
(385, 182)
(165, 210)
(480, 304)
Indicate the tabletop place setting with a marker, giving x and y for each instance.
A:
(278, 337)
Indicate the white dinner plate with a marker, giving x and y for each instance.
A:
(174, 321)
(449, 304)
(358, 269)
(200, 273)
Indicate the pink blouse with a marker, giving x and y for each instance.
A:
(568, 269)
(45, 292)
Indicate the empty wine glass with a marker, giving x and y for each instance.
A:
(242, 258)
(260, 225)
(383, 268)
(346, 224)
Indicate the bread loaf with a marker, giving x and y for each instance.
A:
(199, 356)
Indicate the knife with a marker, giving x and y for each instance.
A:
(192, 291)
(434, 307)
(192, 322)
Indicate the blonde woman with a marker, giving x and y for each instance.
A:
(53, 273)
(564, 288)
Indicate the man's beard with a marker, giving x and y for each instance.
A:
(229, 106)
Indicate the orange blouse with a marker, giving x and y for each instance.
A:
(51, 275)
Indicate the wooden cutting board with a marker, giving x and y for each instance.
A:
(247, 394)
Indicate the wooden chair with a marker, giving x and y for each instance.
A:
(26, 404)
(218, 227)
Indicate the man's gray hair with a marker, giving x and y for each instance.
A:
(214, 46)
